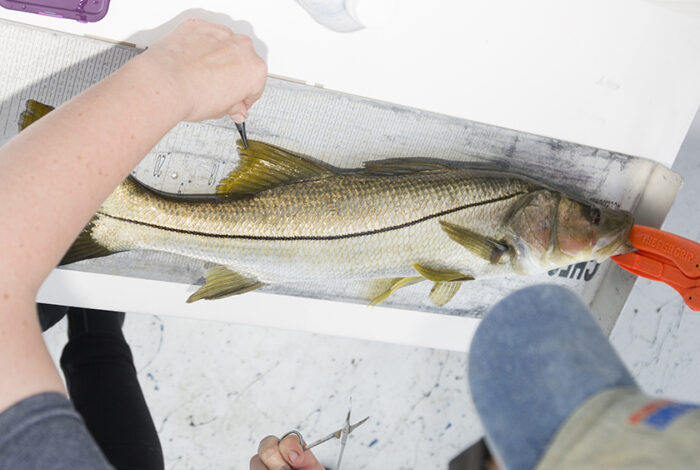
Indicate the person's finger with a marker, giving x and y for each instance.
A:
(200, 26)
(238, 113)
(229, 32)
(243, 40)
(257, 464)
(291, 450)
(248, 102)
(269, 453)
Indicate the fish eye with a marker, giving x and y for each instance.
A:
(595, 216)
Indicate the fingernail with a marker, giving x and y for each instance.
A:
(239, 118)
(285, 467)
(293, 456)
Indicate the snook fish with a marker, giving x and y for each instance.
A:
(280, 217)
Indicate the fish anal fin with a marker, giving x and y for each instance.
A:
(222, 282)
(33, 111)
(392, 285)
(443, 292)
(441, 275)
(84, 247)
(263, 166)
(484, 247)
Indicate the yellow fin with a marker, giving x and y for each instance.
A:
(394, 285)
(484, 247)
(84, 247)
(32, 113)
(264, 166)
(442, 292)
(222, 282)
(441, 275)
(398, 166)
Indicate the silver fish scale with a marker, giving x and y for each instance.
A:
(348, 226)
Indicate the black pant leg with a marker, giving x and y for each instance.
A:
(103, 387)
(50, 314)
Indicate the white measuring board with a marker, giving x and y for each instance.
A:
(51, 67)
(620, 75)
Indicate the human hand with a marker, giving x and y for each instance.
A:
(210, 70)
(286, 454)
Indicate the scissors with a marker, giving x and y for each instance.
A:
(341, 434)
(241, 130)
(665, 257)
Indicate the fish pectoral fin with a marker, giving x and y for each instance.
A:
(487, 248)
(84, 247)
(441, 275)
(442, 292)
(394, 285)
(264, 166)
(222, 282)
(33, 112)
(399, 166)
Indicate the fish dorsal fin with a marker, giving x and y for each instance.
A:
(264, 166)
(441, 275)
(484, 247)
(442, 292)
(223, 282)
(398, 166)
(33, 112)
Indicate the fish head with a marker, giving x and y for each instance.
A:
(550, 230)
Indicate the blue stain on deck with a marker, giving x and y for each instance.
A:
(373, 442)
(449, 425)
(150, 376)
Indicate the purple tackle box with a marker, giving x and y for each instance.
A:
(83, 11)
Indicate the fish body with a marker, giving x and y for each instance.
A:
(340, 227)
(274, 222)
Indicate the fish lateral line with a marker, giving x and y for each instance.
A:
(313, 237)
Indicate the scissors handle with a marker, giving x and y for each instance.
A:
(303, 443)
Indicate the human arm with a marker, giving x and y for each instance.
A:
(286, 454)
(55, 174)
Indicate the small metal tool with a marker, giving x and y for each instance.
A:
(241, 131)
(341, 434)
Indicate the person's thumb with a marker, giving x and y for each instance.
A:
(291, 451)
(238, 113)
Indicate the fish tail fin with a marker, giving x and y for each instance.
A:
(84, 247)
(33, 111)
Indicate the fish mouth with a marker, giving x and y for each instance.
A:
(613, 245)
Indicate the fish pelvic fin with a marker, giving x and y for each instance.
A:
(394, 284)
(263, 166)
(484, 247)
(223, 282)
(443, 292)
(84, 247)
(33, 111)
(447, 282)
